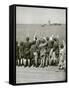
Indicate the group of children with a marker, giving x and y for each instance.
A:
(42, 52)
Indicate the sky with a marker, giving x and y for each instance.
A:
(29, 15)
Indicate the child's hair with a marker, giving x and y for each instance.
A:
(27, 38)
(35, 38)
(43, 41)
(61, 46)
(47, 38)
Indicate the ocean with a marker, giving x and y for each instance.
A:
(24, 30)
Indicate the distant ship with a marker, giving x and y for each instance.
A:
(43, 25)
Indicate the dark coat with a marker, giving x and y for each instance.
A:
(17, 52)
(27, 46)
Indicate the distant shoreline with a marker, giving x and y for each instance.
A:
(42, 24)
